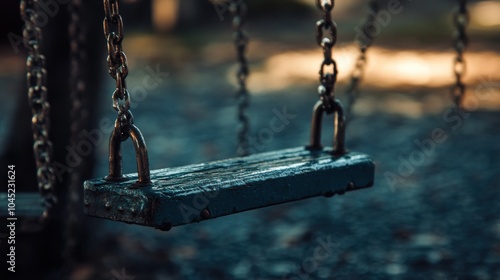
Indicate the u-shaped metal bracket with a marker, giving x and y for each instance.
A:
(141, 155)
(338, 130)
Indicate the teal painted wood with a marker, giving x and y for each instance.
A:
(193, 193)
(26, 205)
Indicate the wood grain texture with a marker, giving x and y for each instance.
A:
(192, 193)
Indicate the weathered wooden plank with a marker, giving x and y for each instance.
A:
(193, 193)
(26, 205)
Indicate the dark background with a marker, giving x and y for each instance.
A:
(438, 220)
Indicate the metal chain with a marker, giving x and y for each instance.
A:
(117, 63)
(40, 108)
(359, 67)
(238, 9)
(79, 116)
(326, 42)
(460, 42)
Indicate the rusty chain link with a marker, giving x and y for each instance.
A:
(326, 42)
(327, 102)
(40, 108)
(124, 124)
(460, 42)
(238, 10)
(117, 65)
(357, 74)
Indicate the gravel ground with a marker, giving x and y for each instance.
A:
(435, 218)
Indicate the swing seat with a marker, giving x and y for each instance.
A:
(188, 194)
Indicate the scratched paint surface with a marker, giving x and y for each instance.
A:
(229, 186)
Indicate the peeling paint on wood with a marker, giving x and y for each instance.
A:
(193, 193)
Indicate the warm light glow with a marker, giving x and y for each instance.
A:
(411, 66)
(164, 14)
(486, 13)
(408, 68)
(385, 68)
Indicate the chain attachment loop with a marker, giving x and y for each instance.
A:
(124, 124)
(326, 38)
(338, 130)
